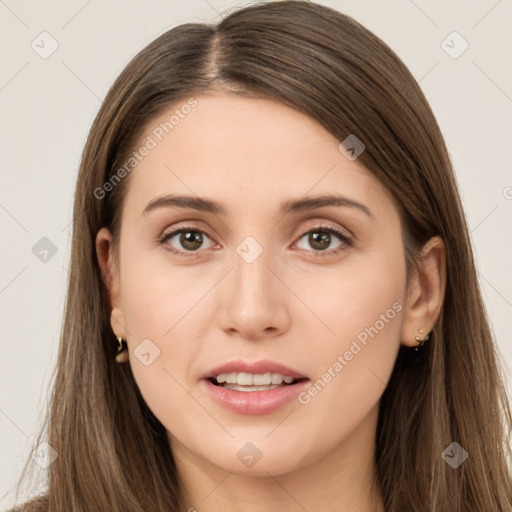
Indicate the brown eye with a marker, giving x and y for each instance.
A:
(185, 240)
(320, 239)
(191, 240)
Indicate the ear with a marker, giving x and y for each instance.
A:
(426, 291)
(110, 275)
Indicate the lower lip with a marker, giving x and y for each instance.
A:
(254, 402)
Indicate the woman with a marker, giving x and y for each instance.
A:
(273, 303)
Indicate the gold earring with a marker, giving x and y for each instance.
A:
(421, 340)
(122, 353)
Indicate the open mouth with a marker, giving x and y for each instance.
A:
(254, 393)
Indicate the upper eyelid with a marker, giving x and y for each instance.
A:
(175, 230)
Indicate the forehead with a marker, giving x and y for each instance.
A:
(242, 151)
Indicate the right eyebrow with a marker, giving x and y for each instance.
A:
(190, 202)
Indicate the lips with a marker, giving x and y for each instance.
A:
(255, 367)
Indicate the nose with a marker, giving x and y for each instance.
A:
(255, 300)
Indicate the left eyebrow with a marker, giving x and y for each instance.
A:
(311, 203)
(210, 206)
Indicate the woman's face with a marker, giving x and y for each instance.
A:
(258, 279)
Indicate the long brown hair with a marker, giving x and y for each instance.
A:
(113, 453)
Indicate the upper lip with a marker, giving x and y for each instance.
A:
(255, 367)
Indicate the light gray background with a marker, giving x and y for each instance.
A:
(47, 106)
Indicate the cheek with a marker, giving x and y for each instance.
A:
(157, 294)
(158, 303)
(361, 298)
(359, 349)
(363, 307)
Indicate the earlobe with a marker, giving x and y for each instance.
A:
(425, 297)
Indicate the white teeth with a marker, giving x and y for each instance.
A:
(236, 387)
(244, 379)
(262, 379)
(249, 379)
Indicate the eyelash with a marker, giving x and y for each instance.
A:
(346, 241)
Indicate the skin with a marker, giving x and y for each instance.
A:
(288, 305)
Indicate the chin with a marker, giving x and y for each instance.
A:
(259, 459)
